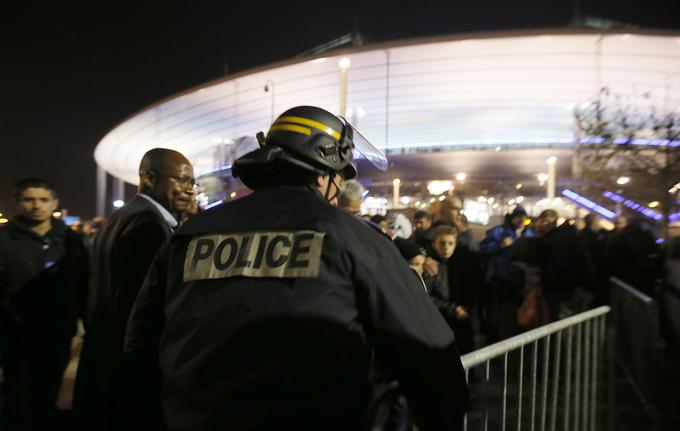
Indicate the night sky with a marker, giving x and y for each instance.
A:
(69, 74)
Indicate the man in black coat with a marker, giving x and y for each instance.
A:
(634, 256)
(568, 277)
(43, 278)
(123, 251)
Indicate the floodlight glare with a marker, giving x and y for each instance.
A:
(439, 187)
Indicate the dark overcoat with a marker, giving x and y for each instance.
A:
(123, 251)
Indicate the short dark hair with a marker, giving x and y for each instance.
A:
(444, 229)
(589, 219)
(33, 182)
(422, 214)
(377, 219)
(548, 213)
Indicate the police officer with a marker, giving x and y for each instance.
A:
(275, 303)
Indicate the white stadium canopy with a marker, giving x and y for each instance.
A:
(516, 90)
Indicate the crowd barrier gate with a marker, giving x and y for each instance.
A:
(559, 386)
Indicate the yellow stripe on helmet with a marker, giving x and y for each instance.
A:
(291, 128)
(310, 123)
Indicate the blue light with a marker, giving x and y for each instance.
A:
(364, 193)
(587, 203)
(613, 196)
(633, 205)
(212, 171)
(214, 204)
(622, 141)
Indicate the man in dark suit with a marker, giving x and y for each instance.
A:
(122, 254)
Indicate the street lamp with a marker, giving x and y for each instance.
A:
(344, 64)
(622, 180)
(395, 192)
(552, 176)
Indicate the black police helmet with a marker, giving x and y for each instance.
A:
(307, 137)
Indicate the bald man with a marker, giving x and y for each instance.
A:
(122, 254)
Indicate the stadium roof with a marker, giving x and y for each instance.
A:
(510, 90)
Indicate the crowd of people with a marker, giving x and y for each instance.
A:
(170, 302)
(490, 279)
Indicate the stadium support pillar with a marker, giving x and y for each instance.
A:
(100, 209)
(344, 69)
(118, 189)
(552, 177)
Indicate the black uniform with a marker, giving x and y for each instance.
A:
(273, 305)
(43, 279)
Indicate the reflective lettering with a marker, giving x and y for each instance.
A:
(241, 261)
(260, 251)
(300, 248)
(219, 262)
(204, 248)
(254, 254)
(285, 242)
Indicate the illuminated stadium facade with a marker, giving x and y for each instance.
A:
(434, 105)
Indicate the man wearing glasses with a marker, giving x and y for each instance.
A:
(122, 254)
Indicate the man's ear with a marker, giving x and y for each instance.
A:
(147, 179)
(321, 180)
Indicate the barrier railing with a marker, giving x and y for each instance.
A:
(636, 316)
(557, 387)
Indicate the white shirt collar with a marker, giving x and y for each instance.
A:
(169, 218)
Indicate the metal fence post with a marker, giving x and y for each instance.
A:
(556, 382)
(586, 380)
(573, 405)
(577, 377)
(611, 371)
(534, 367)
(546, 367)
(567, 376)
(521, 377)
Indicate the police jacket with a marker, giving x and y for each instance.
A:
(273, 305)
(43, 279)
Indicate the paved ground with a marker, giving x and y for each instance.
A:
(630, 413)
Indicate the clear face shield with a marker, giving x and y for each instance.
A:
(364, 149)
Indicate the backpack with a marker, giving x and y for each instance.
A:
(534, 310)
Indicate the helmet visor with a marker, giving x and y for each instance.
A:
(366, 150)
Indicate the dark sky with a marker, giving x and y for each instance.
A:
(68, 73)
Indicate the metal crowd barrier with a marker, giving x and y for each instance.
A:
(557, 386)
(637, 350)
